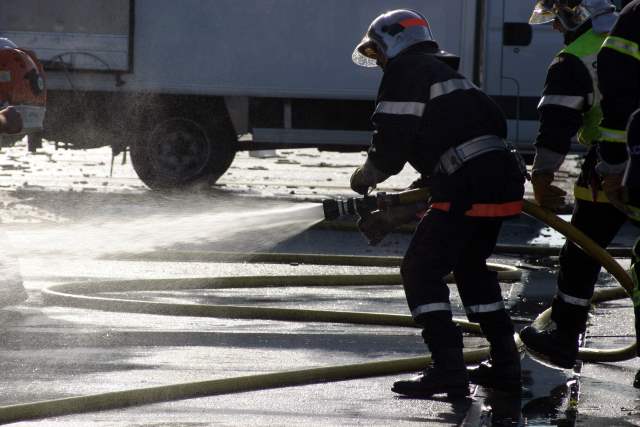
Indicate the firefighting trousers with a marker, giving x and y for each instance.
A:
(632, 176)
(635, 275)
(445, 242)
(632, 182)
(578, 271)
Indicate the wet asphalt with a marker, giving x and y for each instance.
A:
(55, 207)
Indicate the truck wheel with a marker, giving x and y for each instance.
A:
(182, 151)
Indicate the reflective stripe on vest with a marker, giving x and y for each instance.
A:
(491, 210)
(624, 46)
(449, 86)
(586, 48)
(587, 194)
(613, 135)
(400, 108)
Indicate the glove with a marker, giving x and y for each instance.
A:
(612, 187)
(382, 222)
(365, 177)
(10, 121)
(359, 182)
(547, 195)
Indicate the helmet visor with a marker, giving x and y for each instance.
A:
(366, 53)
(543, 13)
(572, 17)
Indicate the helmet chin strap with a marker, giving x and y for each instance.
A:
(381, 60)
(566, 25)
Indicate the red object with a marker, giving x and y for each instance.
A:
(21, 78)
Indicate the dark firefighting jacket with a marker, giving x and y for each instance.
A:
(424, 108)
(619, 76)
(619, 80)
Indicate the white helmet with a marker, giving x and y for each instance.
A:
(603, 14)
(390, 34)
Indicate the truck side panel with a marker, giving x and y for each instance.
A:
(75, 34)
(275, 48)
(515, 75)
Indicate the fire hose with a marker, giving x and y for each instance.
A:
(83, 295)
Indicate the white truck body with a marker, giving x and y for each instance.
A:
(272, 48)
(288, 50)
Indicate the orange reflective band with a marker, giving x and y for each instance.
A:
(441, 206)
(414, 22)
(486, 209)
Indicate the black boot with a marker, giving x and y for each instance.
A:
(447, 374)
(502, 371)
(556, 346)
(636, 383)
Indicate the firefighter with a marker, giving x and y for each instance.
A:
(619, 78)
(10, 121)
(22, 90)
(632, 185)
(571, 106)
(430, 116)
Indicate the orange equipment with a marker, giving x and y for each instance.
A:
(22, 86)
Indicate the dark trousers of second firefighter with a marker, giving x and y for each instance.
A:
(579, 271)
(635, 274)
(632, 179)
(443, 243)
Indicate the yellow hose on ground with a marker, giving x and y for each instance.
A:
(80, 295)
(145, 396)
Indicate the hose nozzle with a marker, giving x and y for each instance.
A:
(363, 206)
(337, 208)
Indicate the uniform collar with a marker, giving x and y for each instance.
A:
(422, 47)
(427, 47)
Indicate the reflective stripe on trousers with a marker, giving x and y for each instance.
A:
(485, 308)
(573, 300)
(430, 308)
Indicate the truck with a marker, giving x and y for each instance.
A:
(183, 86)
